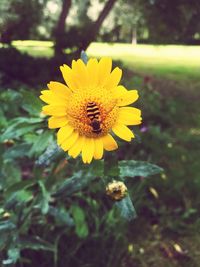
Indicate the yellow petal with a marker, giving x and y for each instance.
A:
(88, 150)
(57, 122)
(98, 148)
(63, 133)
(51, 98)
(129, 118)
(68, 77)
(59, 89)
(55, 110)
(75, 150)
(68, 142)
(123, 132)
(80, 73)
(93, 71)
(109, 143)
(105, 66)
(132, 111)
(124, 96)
(114, 78)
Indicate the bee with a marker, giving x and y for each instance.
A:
(93, 114)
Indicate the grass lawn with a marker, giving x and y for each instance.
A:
(176, 62)
(172, 61)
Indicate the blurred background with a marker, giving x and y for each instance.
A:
(157, 44)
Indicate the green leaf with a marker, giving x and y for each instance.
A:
(73, 185)
(15, 131)
(10, 173)
(132, 168)
(61, 216)
(19, 126)
(21, 196)
(81, 227)
(3, 120)
(19, 186)
(41, 143)
(20, 120)
(95, 169)
(49, 154)
(4, 239)
(7, 226)
(13, 256)
(32, 104)
(80, 179)
(126, 208)
(44, 200)
(35, 243)
(17, 151)
(7, 262)
(111, 170)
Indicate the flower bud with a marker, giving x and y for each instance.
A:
(116, 190)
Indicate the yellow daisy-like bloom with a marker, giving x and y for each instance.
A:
(89, 108)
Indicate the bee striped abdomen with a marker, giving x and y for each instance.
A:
(92, 111)
(93, 114)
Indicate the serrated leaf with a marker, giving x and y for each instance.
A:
(132, 168)
(126, 208)
(81, 227)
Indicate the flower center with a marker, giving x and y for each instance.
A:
(92, 112)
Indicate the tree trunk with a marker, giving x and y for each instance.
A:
(134, 36)
(95, 27)
(59, 31)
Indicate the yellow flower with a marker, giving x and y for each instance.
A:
(89, 108)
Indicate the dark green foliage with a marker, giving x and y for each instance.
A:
(17, 67)
(169, 22)
(19, 19)
(45, 196)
